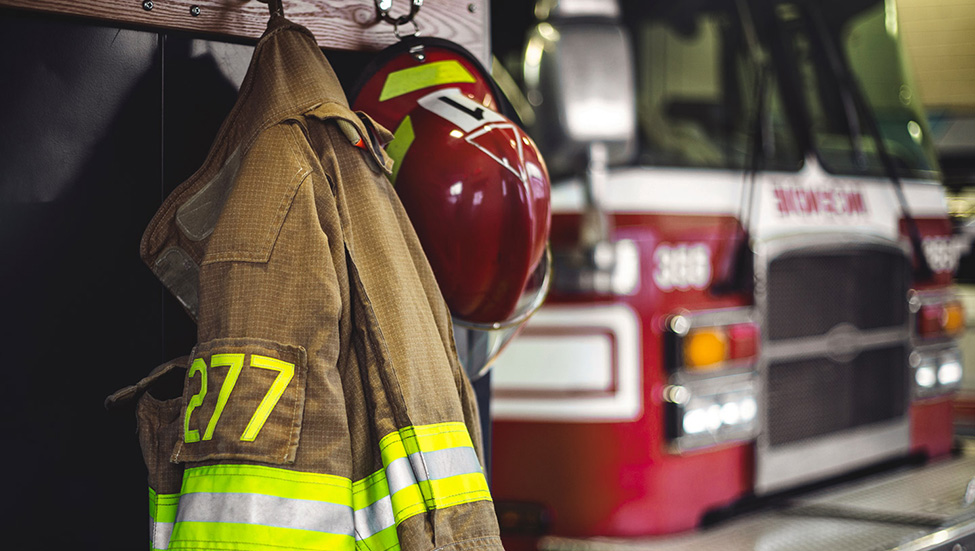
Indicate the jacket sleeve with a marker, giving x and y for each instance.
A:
(422, 463)
(264, 437)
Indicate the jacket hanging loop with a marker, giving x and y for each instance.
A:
(274, 7)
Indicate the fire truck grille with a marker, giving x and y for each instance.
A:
(816, 396)
(835, 385)
(810, 294)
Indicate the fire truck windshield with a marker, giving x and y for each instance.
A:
(702, 67)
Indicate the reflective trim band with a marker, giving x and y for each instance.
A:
(396, 150)
(427, 438)
(374, 518)
(369, 490)
(400, 474)
(384, 540)
(252, 507)
(451, 462)
(426, 467)
(422, 76)
(162, 515)
(257, 479)
(256, 509)
(250, 537)
(465, 488)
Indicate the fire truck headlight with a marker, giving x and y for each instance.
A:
(925, 377)
(695, 421)
(748, 408)
(949, 373)
(712, 411)
(937, 370)
(730, 413)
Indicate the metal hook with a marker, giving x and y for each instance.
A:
(383, 6)
(416, 31)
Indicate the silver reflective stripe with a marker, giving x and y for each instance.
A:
(451, 462)
(399, 475)
(300, 514)
(419, 469)
(159, 534)
(403, 473)
(421, 466)
(373, 519)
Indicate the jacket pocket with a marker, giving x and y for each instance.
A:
(159, 432)
(258, 197)
(159, 429)
(244, 400)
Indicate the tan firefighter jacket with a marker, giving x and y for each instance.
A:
(323, 406)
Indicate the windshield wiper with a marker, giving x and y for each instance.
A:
(736, 266)
(855, 103)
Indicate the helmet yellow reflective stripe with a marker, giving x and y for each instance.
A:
(423, 76)
(402, 140)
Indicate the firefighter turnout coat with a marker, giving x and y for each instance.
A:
(324, 406)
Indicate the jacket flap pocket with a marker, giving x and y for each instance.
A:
(243, 399)
(262, 192)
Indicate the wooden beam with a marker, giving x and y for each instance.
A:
(337, 24)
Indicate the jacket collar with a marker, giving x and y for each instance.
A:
(288, 75)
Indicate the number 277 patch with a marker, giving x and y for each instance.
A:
(235, 393)
(234, 364)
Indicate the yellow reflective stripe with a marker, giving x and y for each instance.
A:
(423, 438)
(391, 448)
(464, 488)
(162, 507)
(441, 436)
(251, 537)
(385, 540)
(369, 490)
(422, 76)
(258, 479)
(422, 495)
(402, 140)
(408, 502)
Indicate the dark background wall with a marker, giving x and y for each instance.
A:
(97, 125)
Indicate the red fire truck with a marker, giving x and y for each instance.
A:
(752, 270)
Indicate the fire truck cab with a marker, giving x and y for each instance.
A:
(752, 264)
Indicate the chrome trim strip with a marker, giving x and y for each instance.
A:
(939, 538)
(825, 346)
(809, 460)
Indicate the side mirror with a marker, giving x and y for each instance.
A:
(579, 78)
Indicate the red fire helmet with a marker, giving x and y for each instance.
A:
(473, 183)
